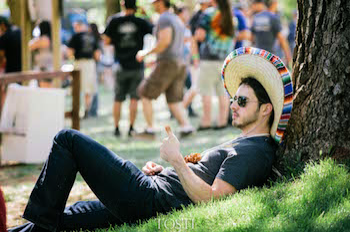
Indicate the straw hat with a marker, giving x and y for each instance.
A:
(270, 71)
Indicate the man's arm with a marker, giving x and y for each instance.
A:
(200, 34)
(285, 47)
(2, 58)
(165, 36)
(196, 189)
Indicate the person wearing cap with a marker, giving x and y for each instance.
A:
(261, 91)
(169, 73)
(126, 32)
(10, 46)
(266, 28)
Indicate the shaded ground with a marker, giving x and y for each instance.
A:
(18, 180)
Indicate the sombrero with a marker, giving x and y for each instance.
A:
(270, 71)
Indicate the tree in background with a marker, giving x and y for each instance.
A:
(320, 122)
(112, 7)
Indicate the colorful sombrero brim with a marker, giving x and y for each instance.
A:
(270, 71)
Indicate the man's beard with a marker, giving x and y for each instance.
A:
(246, 122)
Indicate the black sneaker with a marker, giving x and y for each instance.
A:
(117, 132)
(131, 132)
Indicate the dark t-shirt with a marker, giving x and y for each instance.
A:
(84, 45)
(243, 163)
(10, 42)
(265, 27)
(126, 33)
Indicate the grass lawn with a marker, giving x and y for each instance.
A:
(317, 200)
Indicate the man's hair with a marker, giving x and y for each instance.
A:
(179, 8)
(260, 93)
(3, 20)
(226, 22)
(268, 3)
(130, 4)
(45, 28)
(167, 3)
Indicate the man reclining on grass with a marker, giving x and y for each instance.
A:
(261, 89)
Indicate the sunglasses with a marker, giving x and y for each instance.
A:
(241, 101)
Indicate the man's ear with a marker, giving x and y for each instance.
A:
(267, 109)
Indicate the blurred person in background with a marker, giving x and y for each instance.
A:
(93, 29)
(126, 32)
(169, 73)
(42, 46)
(190, 54)
(241, 26)
(266, 28)
(194, 21)
(216, 32)
(10, 46)
(292, 31)
(2, 213)
(84, 49)
(10, 50)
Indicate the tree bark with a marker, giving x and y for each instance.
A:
(320, 121)
(112, 7)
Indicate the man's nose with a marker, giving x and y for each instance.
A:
(234, 105)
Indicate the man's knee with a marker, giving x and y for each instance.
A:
(65, 135)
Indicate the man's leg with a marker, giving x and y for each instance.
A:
(121, 86)
(206, 117)
(85, 215)
(133, 110)
(87, 104)
(147, 111)
(224, 102)
(178, 110)
(118, 183)
(174, 96)
(116, 115)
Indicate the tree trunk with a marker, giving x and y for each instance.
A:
(112, 7)
(320, 122)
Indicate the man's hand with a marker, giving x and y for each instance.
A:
(170, 148)
(151, 168)
(141, 54)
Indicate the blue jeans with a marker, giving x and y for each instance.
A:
(125, 193)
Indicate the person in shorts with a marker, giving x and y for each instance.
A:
(126, 31)
(169, 73)
(84, 48)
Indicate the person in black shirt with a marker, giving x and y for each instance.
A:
(261, 102)
(126, 31)
(10, 46)
(84, 48)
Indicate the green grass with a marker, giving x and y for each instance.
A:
(316, 201)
